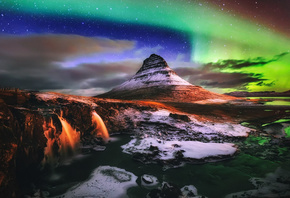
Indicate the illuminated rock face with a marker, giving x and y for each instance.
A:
(155, 80)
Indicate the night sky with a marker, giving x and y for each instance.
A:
(86, 47)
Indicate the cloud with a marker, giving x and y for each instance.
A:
(238, 64)
(180, 57)
(56, 47)
(80, 92)
(228, 80)
(146, 51)
(213, 75)
(53, 76)
(34, 62)
(261, 83)
(217, 79)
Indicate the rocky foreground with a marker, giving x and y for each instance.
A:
(162, 133)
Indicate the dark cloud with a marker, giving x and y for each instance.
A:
(127, 67)
(261, 83)
(34, 62)
(238, 64)
(212, 74)
(53, 76)
(218, 79)
(230, 82)
(187, 71)
(106, 83)
(33, 83)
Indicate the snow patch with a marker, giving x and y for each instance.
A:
(53, 96)
(149, 123)
(189, 149)
(106, 181)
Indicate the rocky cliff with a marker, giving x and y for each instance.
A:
(26, 135)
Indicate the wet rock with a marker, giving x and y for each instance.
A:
(168, 190)
(179, 117)
(21, 146)
(149, 181)
(276, 184)
(189, 191)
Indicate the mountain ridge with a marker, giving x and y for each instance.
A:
(259, 94)
(155, 80)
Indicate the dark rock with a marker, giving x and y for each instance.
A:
(168, 190)
(179, 117)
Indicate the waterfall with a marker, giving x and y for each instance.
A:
(63, 144)
(50, 133)
(69, 138)
(101, 129)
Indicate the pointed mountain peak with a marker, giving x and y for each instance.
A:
(155, 80)
(153, 62)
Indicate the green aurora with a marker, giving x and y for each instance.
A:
(216, 34)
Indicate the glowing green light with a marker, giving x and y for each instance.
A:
(215, 34)
(277, 121)
(260, 140)
(287, 132)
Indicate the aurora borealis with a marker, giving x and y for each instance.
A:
(88, 47)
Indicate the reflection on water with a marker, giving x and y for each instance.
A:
(276, 101)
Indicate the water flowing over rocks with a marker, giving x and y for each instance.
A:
(23, 131)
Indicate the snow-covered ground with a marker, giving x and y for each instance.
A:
(105, 181)
(189, 149)
(150, 123)
(196, 139)
(170, 137)
(45, 96)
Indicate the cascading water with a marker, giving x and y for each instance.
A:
(50, 134)
(69, 138)
(63, 144)
(101, 129)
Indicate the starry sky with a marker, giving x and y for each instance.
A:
(87, 47)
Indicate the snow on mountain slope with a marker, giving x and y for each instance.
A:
(154, 72)
(155, 80)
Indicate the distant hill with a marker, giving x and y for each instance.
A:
(259, 94)
(155, 80)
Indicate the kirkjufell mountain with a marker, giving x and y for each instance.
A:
(155, 80)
